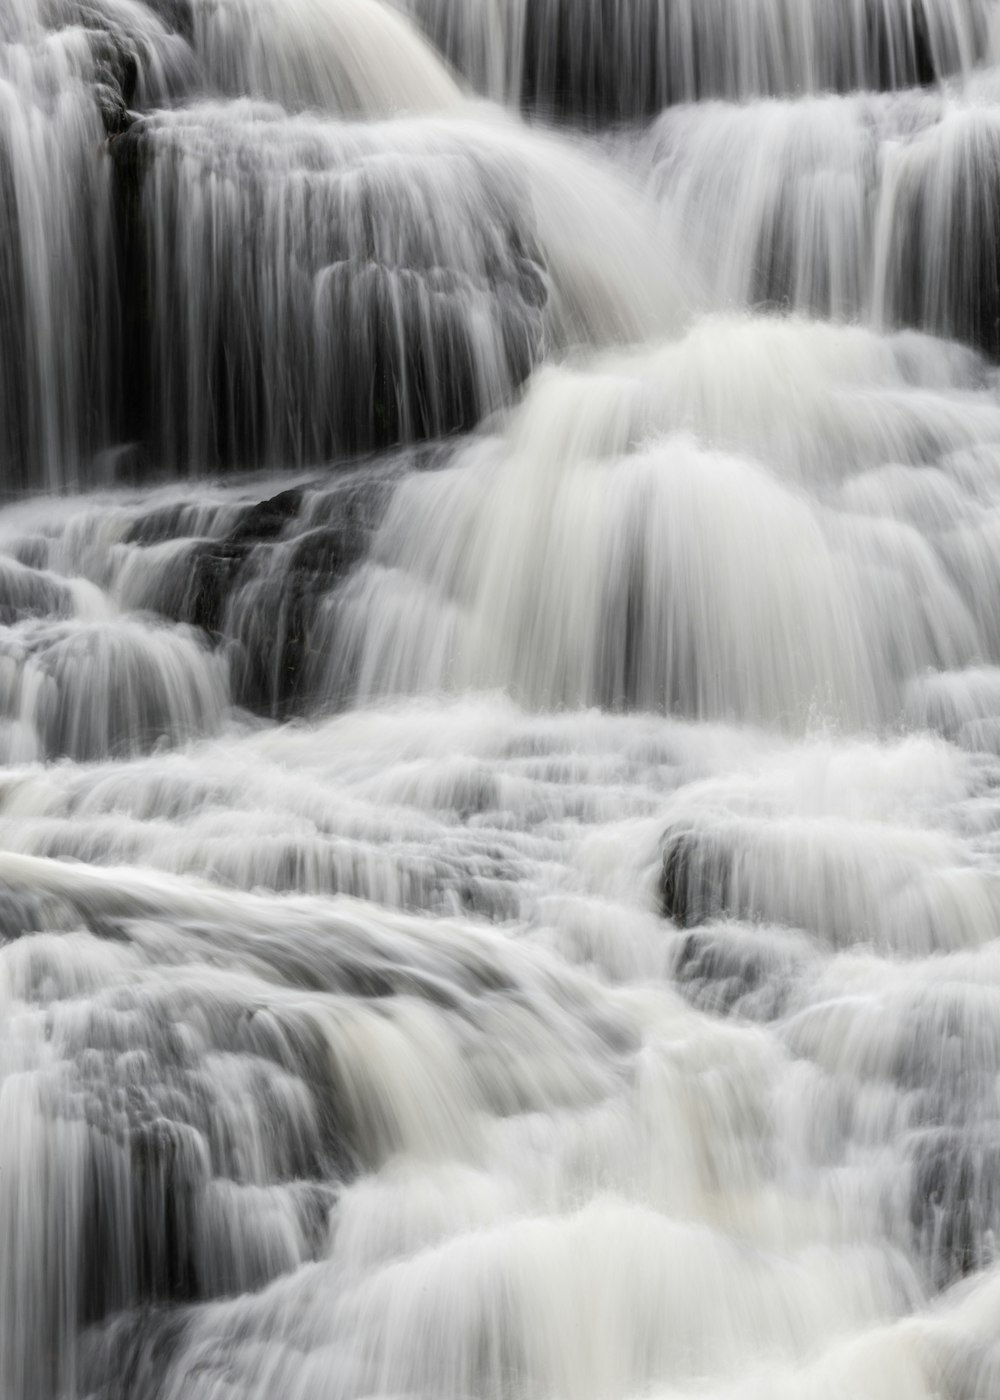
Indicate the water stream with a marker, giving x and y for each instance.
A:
(500, 700)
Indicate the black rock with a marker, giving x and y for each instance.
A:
(267, 519)
(694, 879)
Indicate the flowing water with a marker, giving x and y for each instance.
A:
(500, 700)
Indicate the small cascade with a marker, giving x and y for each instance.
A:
(563, 559)
(623, 59)
(882, 208)
(67, 75)
(320, 288)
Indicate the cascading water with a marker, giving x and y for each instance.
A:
(628, 58)
(499, 699)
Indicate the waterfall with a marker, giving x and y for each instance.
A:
(314, 289)
(499, 699)
(62, 77)
(356, 58)
(880, 208)
(629, 58)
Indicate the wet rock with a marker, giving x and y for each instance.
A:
(177, 15)
(214, 571)
(266, 520)
(694, 878)
(114, 111)
(260, 582)
(275, 611)
(955, 1200)
(27, 593)
(116, 68)
(736, 972)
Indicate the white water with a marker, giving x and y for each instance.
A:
(357, 57)
(624, 58)
(505, 905)
(323, 286)
(879, 207)
(56, 258)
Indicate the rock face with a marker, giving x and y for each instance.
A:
(117, 77)
(260, 588)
